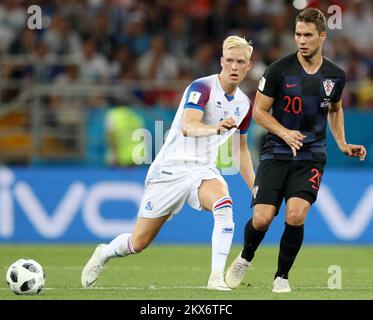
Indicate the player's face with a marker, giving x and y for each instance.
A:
(235, 65)
(308, 39)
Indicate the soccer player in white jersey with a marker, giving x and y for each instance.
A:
(211, 110)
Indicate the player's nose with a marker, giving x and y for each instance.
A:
(302, 40)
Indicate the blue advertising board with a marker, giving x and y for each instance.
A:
(78, 204)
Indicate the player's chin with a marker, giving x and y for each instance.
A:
(305, 53)
(234, 80)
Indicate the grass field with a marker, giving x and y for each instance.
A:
(181, 272)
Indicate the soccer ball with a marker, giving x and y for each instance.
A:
(25, 276)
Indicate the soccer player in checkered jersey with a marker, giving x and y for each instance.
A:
(304, 91)
(211, 110)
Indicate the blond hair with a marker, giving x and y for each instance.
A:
(238, 42)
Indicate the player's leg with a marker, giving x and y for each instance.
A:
(301, 193)
(214, 196)
(160, 199)
(291, 242)
(143, 234)
(256, 229)
(266, 201)
(254, 233)
(123, 245)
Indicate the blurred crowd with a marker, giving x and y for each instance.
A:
(110, 41)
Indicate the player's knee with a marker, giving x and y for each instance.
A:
(261, 221)
(295, 216)
(222, 211)
(263, 216)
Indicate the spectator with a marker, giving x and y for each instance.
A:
(121, 122)
(61, 38)
(122, 61)
(12, 20)
(94, 67)
(358, 26)
(157, 64)
(179, 41)
(102, 35)
(135, 34)
(25, 43)
(279, 32)
(201, 63)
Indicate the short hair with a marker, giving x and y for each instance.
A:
(312, 15)
(238, 42)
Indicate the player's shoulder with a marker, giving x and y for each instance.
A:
(204, 81)
(200, 87)
(332, 67)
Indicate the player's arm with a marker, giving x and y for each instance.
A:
(336, 124)
(262, 117)
(194, 127)
(242, 160)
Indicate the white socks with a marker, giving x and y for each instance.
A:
(222, 237)
(121, 246)
(222, 234)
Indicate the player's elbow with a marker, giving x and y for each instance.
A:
(188, 129)
(256, 115)
(185, 131)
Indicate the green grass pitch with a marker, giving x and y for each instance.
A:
(181, 272)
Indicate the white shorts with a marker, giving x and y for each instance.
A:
(168, 192)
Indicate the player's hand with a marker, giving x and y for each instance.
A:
(353, 150)
(293, 139)
(226, 125)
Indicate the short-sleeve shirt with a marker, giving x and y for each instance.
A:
(301, 102)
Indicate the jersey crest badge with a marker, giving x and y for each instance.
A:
(149, 206)
(328, 86)
(237, 112)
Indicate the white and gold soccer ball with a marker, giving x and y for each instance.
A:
(25, 276)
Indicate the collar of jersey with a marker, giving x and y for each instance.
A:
(229, 98)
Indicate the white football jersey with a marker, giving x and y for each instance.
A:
(207, 95)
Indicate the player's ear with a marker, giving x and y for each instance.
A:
(221, 61)
(323, 35)
(249, 65)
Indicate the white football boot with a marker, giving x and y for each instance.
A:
(236, 272)
(93, 268)
(216, 282)
(281, 285)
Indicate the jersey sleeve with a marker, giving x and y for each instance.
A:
(197, 95)
(244, 125)
(269, 84)
(340, 86)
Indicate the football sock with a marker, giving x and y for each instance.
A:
(290, 244)
(120, 246)
(252, 240)
(222, 234)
